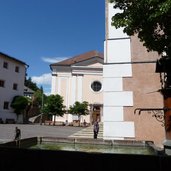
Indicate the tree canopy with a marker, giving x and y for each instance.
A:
(79, 108)
(19, 103)
(39, 98)
(149, 19)
(54, 105)
(31, 85)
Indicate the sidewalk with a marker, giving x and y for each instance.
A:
(7, 131)
(87, 132)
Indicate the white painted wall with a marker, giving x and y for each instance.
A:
(117, 70)
(111, 84)
(118, 130)
(113, 114)
(79, 88)
(73, 92)
(117, 51)
(114, 33)
(54, 84)
(10, 77)
(118, 98)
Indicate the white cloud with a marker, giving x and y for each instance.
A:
(47, 90)
(44, 79)
(53, 59)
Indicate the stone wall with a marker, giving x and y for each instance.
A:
(29, 159)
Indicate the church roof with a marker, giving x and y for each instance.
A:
(79, 58)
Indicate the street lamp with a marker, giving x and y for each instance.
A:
(41, 116)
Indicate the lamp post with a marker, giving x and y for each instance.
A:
(41, 116)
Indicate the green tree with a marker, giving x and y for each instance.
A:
(19, 104)
(79, 109)
(39, 98)
(54, 106)
(36, 103)
(29, 83)
(151, 21)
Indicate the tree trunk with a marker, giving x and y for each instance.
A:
(79, 119)
(54, 120)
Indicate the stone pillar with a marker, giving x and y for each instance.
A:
(115, 98)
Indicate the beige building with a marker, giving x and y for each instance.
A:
(80, 79)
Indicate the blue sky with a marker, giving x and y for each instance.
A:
(41, 32)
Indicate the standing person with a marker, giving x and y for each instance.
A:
(84, 123)
(66, 123)
(17, 133)
(96, 129)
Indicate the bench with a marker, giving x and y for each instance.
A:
(10, 121)
(47, 122)
(1, 121)
(58, 123)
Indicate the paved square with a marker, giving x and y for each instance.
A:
(7, 131)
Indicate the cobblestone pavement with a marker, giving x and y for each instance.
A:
(7, 131)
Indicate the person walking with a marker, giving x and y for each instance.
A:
(17, 133)
(96, 129)
(84, 123)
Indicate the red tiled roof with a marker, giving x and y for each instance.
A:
(80, 58)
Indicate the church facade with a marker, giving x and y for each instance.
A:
(80, 79)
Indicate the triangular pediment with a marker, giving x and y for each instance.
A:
(94, 62)
(92, 59)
